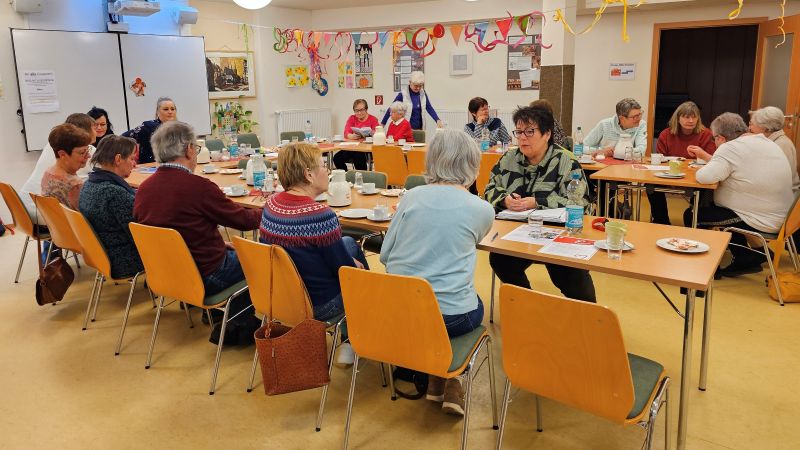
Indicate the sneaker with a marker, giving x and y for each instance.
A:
(345, 357)
(435, 389)
(453, 397)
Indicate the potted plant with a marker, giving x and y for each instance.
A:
(232, 116)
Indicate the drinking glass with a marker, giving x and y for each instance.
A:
(359, 180)
(381, 209)
(615, 239)
(536, 222)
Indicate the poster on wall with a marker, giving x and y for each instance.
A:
(346, 74)
(364, 58)
(39, 91)
(621, 71)
(524, 63)
(364, 81)
(230, 74)
(405, 61)
(296, 76)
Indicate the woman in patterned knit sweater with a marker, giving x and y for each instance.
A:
(310, 232)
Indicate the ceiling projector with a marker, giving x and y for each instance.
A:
(133, 8)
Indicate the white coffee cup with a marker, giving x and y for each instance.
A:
(380, 212)
(216, 155)
(338, 137)
(284, 141)
(238, 189)
(656, 158)
(586, 159)
(368, 188)
(369, 138)
(401, 141)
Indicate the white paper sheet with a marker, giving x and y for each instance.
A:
(570, 247)
(527, 77)
(39, 91)
(522, 234)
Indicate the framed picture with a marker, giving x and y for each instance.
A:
(230, 74)
(461, 63)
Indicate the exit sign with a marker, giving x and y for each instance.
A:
(378, 100)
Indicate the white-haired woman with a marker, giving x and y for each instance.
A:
(399, 128)
(416, 99)
(769, 122)
(166, 111)
(433, 236)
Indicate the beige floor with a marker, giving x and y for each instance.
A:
(64, 388)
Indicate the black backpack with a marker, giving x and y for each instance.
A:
(418, 379)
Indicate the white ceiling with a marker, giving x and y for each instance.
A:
(329, 4)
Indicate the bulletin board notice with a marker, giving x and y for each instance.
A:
(524, 63)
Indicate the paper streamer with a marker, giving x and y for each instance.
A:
(735, 13)
(559, 17)
(356, 38)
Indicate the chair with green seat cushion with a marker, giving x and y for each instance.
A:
(249, 138)
(379, 178)
(243, 163)
(419, 135)
(573, 352)
(413, 181)
(215, 145)
(288, 135)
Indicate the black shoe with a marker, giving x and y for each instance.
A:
(698, 294)
(735, 270)
(231, 334)
(216, 315)
(247, 331)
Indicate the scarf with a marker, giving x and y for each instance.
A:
(99, 175)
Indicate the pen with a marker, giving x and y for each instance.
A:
(494, 237)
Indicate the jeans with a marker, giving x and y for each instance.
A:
(342, 157)
(574, 283)
(459, 324)
(335, 306)
(227, 274)
(717, 216)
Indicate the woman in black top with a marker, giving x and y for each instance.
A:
(165, 112)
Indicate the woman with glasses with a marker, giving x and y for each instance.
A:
(478, 108)
(536, 176)
(364, 124)
(102, 124)
(628, 119)
(416, 100)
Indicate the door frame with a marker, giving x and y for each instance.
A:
(657, 29)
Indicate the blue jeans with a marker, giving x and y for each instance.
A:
(459, 324)
(227, 274)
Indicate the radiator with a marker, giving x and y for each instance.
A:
(295, 120)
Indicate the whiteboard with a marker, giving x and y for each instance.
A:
(87, 71)
(170, 66)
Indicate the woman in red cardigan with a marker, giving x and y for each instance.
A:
(685, 129)
(399, 128)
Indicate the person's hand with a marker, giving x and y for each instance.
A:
(608, 151)
(439, 124)
(229, 246)
(358, 263)
(698, 152)
(516, 203)
(353, 137)
(482, 118)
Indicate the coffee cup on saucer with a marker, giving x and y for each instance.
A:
(338, 137)
(406, 147)
(390, 139)
(216, 155)
(209, 169)
(586, 159)
(401, 142)
(238, 189)
(656, 158)
(369, 139)
(368, 188)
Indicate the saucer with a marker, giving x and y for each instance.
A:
(371, 216)
(355, 213)
(391, 192)
(361, 191)
(229, 192)
(669, 175)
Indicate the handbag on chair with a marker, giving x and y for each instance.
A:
(292, 358)
(54, 278)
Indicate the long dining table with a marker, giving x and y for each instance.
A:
(647, 262)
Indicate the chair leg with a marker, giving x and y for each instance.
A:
(539, 427)
(22, 257)
(219, 347)
(491, 303)
(504, 410)
(97, 297)
(77, 264)
(159, 307)
(188, 315)
(793, 253)
(492, 383)
(125, 314)
(210, 319)
(391, 383)
(772, 271)
(91, 300)
(383, 374)
(255, 362)
(336, 331)
(350, 402)
(467, 402)
(666, 420)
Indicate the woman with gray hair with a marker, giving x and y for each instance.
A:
(433, 236)
(769, 122)
(165, 112)
(399, 128)
(415, 99)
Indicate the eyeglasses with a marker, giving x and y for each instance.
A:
(359, 110)
(634, 117)
(529, 132)
(417, 85)
(100, 125)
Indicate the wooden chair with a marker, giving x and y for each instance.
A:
(288, 135)
(291, 303)
(166, 258)
(249, 138)
(215, 145)
(783, 238)
(418, 342)
(419, 135)
(416, 161)
(390, 160)
(96, 257)
(488, 161)
(414, 180)
(21, 221)
(573, 352)
(60, 230)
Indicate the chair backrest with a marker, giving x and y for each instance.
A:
(488, 161)
(243, 163)
(390, 160)
(19, 215)
(792, 222)
(93, 251)
(416, 161)
(379, 178)
(419, 135)
(215, 145)
(371, 302)
(566, 350)
(249, 138)
(288, 135)
(415, 180)
(171, 270)
(290, 300)
(60, 230)
(568, 142)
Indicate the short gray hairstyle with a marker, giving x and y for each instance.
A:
(417, 77)
(625, 106)
(769, 118)
(170, 140)
(728, 125)
(398, 107)
(453, 157)
(162, 100)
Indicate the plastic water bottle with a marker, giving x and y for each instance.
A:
(269, 181)
(577, 143)
(309, 131)
(233, 147)
(574, 208)
(485, 140)
(259, 171)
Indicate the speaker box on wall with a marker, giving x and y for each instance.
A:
(27, 6)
